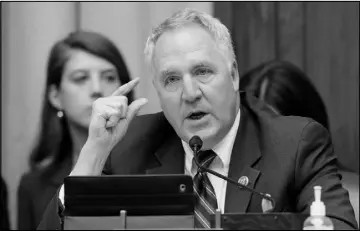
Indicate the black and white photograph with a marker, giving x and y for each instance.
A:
(179, 115)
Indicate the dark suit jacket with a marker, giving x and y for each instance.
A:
(282, 156)
(35, 192)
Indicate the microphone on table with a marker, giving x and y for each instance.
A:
(196, 144)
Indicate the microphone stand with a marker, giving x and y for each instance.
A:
(196, 150)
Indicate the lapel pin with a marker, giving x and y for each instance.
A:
(244, 180)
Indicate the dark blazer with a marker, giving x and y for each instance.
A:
(282, 156)
(35, 192)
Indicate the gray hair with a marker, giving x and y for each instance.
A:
(186, 16)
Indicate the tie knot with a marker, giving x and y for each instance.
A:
(206, 157)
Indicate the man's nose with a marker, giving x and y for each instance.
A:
(191, 91)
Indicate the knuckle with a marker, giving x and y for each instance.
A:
(116, 111)
(125, 100)
(122, 107)
(122, 100)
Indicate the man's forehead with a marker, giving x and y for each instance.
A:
(199, 51)
(183, 40)
(189, 59)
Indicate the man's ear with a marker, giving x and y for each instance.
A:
(235, 75)
(54, 97)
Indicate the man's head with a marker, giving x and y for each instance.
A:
(195, 75)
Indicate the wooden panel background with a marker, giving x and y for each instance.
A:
(253, 32)
(322, 38)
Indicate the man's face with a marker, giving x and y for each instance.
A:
(196, 84)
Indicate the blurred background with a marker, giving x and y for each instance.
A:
(321, 38)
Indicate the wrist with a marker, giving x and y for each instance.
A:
(96, 149)
(91, 160)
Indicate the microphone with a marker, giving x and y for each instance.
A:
(196, 144)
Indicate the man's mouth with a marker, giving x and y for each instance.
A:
(196, 115)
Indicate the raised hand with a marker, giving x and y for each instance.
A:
(112, 115)
(110, 120)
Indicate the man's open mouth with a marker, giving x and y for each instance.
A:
(196, 115)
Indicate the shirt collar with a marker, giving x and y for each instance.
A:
(223, 149)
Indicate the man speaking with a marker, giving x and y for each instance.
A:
(195, 74)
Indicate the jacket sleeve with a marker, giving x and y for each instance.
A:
(316, 164)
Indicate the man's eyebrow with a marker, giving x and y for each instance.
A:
(165, 73)
(198, 65)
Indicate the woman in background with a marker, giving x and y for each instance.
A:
(288, 91)
(81, 68)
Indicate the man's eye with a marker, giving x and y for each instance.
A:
(203, 71)
(171, 79)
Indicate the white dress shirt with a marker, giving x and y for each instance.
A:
(220, 164)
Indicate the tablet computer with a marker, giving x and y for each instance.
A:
(136, 194)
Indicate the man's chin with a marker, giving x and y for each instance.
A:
(206, 135)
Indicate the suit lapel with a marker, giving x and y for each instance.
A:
(170, 157)
(245, 153)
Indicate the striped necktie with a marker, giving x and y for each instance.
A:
(206, 202)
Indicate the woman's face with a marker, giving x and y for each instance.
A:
(85, 78)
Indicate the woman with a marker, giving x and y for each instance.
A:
(289, 91)
(81, 68)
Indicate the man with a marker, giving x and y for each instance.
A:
(197, 81)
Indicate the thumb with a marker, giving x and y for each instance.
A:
(134, 108)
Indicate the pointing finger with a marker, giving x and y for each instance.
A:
(126, 88)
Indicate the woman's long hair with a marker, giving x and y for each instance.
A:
(54, 145)
(287, 88)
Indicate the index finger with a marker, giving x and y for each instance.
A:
(126, 88)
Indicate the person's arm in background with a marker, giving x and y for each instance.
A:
(316, 165)
(53, 215)
(25, 211)
(5, 223)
